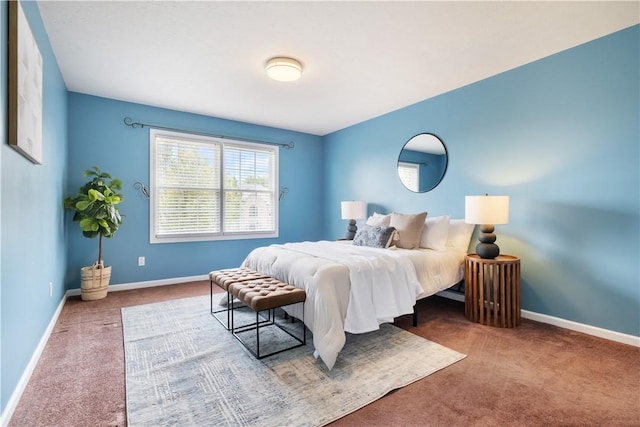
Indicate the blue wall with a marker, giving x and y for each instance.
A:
(561, 137)
(32, 237)
(98, 136)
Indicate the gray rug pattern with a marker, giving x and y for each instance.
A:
(184, 368)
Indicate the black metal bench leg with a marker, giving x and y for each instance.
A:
(214, 313)
(271, 321)
(258, 334)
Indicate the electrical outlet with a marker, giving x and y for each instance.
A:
(140, 261)
(50, 289)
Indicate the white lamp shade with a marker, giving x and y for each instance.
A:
(486, 210)
(283, 69)
(354, 210)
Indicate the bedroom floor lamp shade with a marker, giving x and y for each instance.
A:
(487, 211)
(353, 210)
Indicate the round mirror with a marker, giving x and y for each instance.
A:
(422, 162)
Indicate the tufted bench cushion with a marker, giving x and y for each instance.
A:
(224, 278)
(266, 293)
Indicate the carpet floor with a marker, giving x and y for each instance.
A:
(533, 375)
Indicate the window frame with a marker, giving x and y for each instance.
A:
(220, 235)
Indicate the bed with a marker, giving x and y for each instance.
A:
(353, 288)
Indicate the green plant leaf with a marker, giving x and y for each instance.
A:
(116, 183)
(83, 205)
(89, 234)
(89, 224)
(95, 195)
(114, 199)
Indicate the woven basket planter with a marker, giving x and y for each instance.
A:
(94, 282)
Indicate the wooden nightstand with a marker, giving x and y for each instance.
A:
(492, 290)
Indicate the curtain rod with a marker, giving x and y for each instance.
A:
(129, 122)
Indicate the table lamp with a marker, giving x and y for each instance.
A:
(353, 210)
(487, 211)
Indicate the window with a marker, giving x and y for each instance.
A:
(206, 188)
(409, 175)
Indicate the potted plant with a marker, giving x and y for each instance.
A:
(95, 209)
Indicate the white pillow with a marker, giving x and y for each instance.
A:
(435, 233)
(379, 220)
(459, 234)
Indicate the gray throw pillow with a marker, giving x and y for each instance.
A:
(374, 236)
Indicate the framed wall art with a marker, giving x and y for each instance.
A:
(25, 86)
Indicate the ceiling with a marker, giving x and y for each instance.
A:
(360, 59)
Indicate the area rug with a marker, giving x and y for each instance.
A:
(184, 368)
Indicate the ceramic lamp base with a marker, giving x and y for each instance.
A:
(351, 230)
(487, 249)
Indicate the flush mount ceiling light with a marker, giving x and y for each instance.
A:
(283, 69)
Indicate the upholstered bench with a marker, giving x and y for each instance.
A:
(223, 279)
(266, 294)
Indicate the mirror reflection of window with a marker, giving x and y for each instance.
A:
(428, 154)
(409, 174)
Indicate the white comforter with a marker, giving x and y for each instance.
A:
(384, 285)
(349, 288)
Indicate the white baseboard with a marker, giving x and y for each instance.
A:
(563, 323)
(31, 366)
(581, 327)
(146, 284)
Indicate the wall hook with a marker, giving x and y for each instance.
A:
(284, 191)
(140, 186)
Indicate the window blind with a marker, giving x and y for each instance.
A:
(249, 190)
(409, 175)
